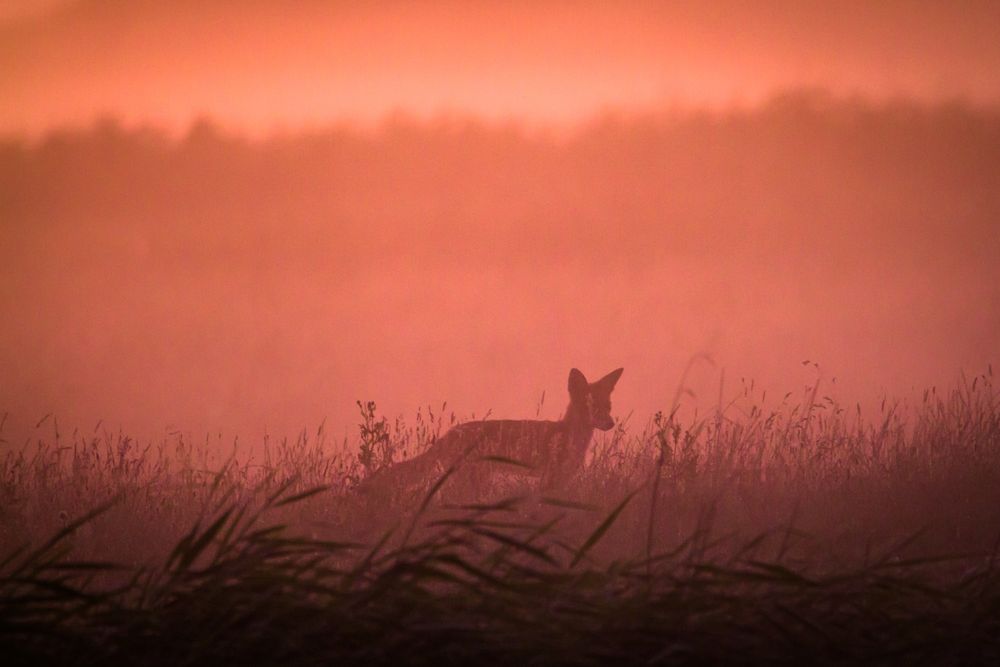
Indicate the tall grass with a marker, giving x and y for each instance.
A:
(797, 532)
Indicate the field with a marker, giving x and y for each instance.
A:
(256, 257)
(795, 531)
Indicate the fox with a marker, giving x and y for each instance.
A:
(552, 450)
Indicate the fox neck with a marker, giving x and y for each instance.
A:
(577, 423)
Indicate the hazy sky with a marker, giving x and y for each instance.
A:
(259, 65)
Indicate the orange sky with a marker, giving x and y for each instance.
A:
(260, 66)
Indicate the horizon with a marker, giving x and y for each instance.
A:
(808, 99)
(265, 68)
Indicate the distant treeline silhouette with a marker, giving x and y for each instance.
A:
(805, 171)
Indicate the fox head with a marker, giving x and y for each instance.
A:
(591, 401)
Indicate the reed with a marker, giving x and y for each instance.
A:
(801, 532)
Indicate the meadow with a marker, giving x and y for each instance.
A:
(756, 530)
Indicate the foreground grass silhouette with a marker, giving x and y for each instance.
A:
(280, 562)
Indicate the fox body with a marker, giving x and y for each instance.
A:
(554, 450)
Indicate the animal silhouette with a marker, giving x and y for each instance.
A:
(552, 450)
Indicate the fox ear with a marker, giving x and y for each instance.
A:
(577, 383)
(609, 381)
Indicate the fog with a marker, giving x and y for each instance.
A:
(217, 283)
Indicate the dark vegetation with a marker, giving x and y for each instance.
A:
(806, 169)
(799, 535)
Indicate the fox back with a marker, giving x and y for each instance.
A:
(554, 450)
